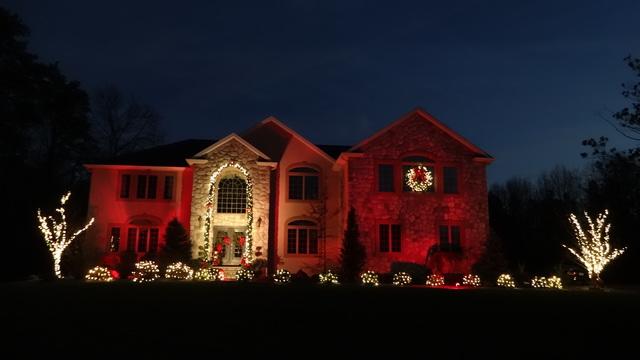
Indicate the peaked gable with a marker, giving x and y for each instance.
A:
(228, 138)
(430, 119)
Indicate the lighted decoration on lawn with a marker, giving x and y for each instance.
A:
(434, 280)
(471, 280)
(179, 271)
(209, 274)
(541, 282)
(282, 276)
(370, 277)
(594, 250)
(244, 274)
(146, 271)
(401, 279)
(419, 178)
(55, 233)
(329, 277)
(100, 274)
(505, 280)
(205, 249)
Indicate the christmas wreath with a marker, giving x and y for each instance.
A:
(419, 178)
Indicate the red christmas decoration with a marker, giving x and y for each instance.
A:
(226, 240)
(219, 247)
(241, 240)
(114, 274)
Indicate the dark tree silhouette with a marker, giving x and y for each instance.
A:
(177, 245)
(352, 254)
(122, 125)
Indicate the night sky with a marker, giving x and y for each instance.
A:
(525, 82)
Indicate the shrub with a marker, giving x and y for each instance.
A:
(127, 264)
(401, 279)
(418, 272)
(244, 275)
(370, 277)
(505, 280)
(435, 280)
(329, 277)
(178, 271)
(100, 274)
(471, 280)
(209, 274)
(301, 277)
(146, 271)
(282, 276)
(553, 282)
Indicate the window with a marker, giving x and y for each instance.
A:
(142, 239)
(390, 238)
(125, 186)
(168, 187)
(114, 241)
(304, 184)
(146, 187)
(302, 237)
(411, 162)
(449, 238)
(385, 178)
(450, 180)
(232, 195)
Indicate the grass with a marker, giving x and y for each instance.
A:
(123, 318)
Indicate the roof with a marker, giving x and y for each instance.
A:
(228, 138)
(175, 154)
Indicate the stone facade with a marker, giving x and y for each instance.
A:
(232, 151)
(420, 214)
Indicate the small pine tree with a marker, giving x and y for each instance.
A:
(352, 254)
(177, 245)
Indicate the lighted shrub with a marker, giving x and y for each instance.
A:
(435, 280)
(178, 271)
(505, 280)
(209, 274)
(282, 276)
(401, 279)
(471, 280)
(100, 274)
(370, 277)
(244, 275)
(541, 282)
(329, 277)
(146, 271)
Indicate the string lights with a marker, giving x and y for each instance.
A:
(505, 280)
(419, 178)
(55, 233)
(329, 277)
(146, 271)
(370, 277)
(178, 271)
(209, 274)
(471, 280)
(100, 274)
(401, 279)
(244, 274)
(282, 276)
(594, 250)
(541, 282)
(205, 252)
(435, 280)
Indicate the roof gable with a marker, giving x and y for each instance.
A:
(228, 138)
(429, 118)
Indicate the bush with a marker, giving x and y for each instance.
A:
(418, 272)
(178, 271)
(370, 277)
(401, 279)
(127, 264)
(100, 274)
(301, 277)
(328, 278)
(146, 271)
(282, 276)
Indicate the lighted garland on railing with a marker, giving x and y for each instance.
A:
(248, 245)
(401, 279)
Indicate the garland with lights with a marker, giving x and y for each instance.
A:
(369, 277)
(401, 279)
(419, 178)
(471, 280)
(282, 276)
(435, 280)
(329, 277)
(179, 271)
(146, 271)
(244, 274)
(594, 251)
(100, 274)
(55, 233)
(205, 252)
(542, 282)
(505, 280)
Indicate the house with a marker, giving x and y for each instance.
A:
(418, 189)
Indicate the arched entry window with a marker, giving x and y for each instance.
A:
(232, 195)
(302, 237)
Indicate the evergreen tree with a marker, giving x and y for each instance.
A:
(352, 254)
(177, 245)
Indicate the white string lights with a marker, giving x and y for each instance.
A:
(99, 274)
(370, 277)
(401, 279)
(505, 280)
(329, 277)
(55, 233)
(178, 271)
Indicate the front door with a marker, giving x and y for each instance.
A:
(232, 241)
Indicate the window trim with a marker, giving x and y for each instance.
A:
(390, 250)
(315, 227)
(288, 175)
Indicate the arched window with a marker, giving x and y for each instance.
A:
(418, 164)
(302, 237)
(232, 195)
(304, 183)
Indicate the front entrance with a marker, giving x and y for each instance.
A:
(232, 241)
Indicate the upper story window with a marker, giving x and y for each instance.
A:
(386, 178)
(169, 182)
(304, 183)
(450, 179)
(302, 237)
(232, 195)
(147, 186)
(125, 186)
(389, 238)
(418, 174)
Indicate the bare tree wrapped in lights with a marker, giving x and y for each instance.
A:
(594, 250)
(55, 233)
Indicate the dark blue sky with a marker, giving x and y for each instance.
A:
(526, 81)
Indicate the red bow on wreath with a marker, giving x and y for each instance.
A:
(419, 175)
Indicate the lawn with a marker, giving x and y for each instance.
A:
(122, 318)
